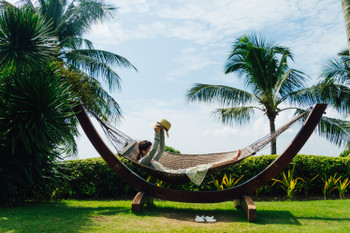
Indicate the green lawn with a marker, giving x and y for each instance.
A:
(115, 216)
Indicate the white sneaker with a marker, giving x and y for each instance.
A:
(199, 219)
(210, 219)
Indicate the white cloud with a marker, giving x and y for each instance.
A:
(125, 6)
(190, 60)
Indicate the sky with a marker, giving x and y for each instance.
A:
(175, 44)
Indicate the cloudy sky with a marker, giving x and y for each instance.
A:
(177, 43)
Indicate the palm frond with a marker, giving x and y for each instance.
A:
(261, 63)
(91, 93)
(75, 43)
(336, 95)
(293, 80)
(338, 69)
(334, 130)
(239, 115)
(103, 56)
(80, 15)
(225, 95)
(4, 4)
(93, 67)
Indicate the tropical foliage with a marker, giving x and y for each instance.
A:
(86, 66)
(330, 184)
(36, 124)
(336, 79)
(346, 12)
(43, 69)
(289, 183)
(93, 179)
(307, 184)
(36, 128)
(342, 186)
(226, 182)
(26, 39)
(271, 85)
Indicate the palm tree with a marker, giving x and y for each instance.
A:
(271, 82)
(346, 12)
(336, 79)
(337, 69)
(69, 21)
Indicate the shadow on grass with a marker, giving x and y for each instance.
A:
(264, 217)
(324, 219)
(52, 217)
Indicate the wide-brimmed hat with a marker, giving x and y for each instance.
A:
(165, 124)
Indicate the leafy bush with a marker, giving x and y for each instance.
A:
(345, 153)
(92, 178)
(171, 149)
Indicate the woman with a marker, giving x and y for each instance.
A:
(147, 152)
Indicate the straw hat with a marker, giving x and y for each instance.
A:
(165, 124)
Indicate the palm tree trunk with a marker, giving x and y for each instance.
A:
(346, 11)
(272, 130)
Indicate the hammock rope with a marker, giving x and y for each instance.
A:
(262, 142)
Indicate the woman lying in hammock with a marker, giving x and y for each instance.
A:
(149, 155)
(149, 152)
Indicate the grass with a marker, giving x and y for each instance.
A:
(115, 216)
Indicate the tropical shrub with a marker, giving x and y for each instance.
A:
(342, 186)
(330, 184)
(288, 183)
(104, 183)
(36, 126)
(307, 184)
(226, 182)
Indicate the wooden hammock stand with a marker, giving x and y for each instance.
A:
(239, 194)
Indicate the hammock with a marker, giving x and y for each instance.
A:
(178, 168)
(246, 188)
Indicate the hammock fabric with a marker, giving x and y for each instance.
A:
(174, 161)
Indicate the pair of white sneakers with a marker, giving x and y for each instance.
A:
(209, 219)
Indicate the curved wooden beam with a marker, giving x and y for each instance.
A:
(236, 192)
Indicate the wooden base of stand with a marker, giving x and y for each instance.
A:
(247, 205)
(139, 201)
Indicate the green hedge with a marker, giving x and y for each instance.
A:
(93, 179)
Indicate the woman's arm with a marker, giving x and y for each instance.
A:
(147, 159)
(161, 146)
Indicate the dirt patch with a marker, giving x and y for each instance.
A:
(101, 219)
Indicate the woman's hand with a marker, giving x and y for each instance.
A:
(158, 128)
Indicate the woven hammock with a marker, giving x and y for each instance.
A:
(128, 148)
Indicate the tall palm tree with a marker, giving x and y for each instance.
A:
(69, 21)
(263, 66)
(346, 12)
